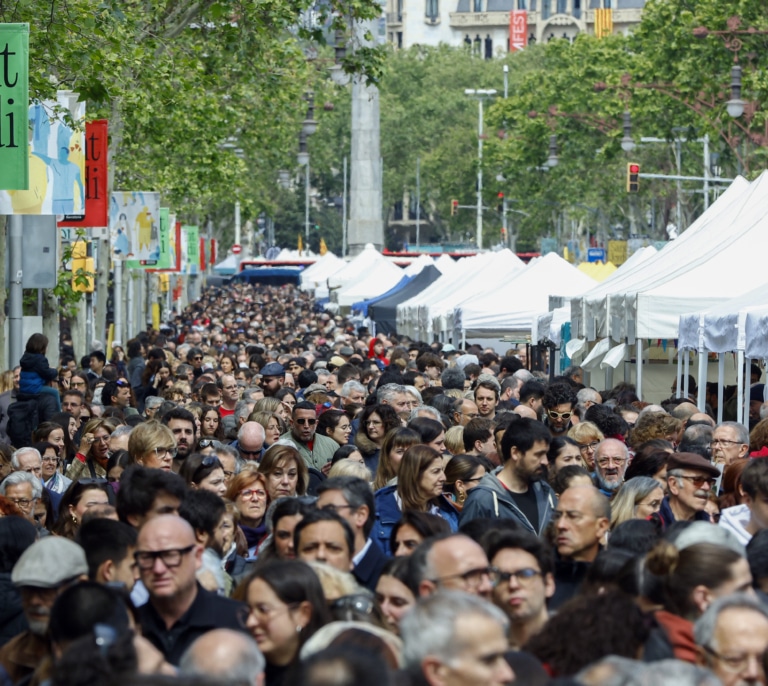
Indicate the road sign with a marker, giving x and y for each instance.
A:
(237, 249)
(596, 255)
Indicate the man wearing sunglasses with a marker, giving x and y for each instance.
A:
(690, 478)
(316, 450)
(559, 402)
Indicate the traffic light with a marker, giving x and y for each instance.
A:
(633, 177)
(500, 206)
(454, 207)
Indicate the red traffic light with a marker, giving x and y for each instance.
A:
(500, 196)
(634, 168)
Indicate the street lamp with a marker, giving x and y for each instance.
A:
(627, 142)
(481, 95)
(284, 179)
(309, 125)
(552, 159)
(735, 106)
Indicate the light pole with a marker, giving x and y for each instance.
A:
(308, 127)
(481, 95)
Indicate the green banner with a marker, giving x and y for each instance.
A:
(14, 102)
(164, 259)
(192, 258)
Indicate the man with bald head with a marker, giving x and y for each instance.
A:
(179, 609)
(611, 461)
(581, 520)
(228, 658)
(451, 561)
(250, 441)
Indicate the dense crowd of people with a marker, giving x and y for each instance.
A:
(261, 493)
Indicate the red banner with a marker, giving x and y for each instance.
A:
(518, 30)
(96, 195)
(213, 251)
(202, 255)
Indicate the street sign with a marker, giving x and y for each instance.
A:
(237, 249)
(596, 255)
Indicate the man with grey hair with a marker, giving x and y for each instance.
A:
(611, 462)
(455, 638)
(227, 657)
(453, 377)
(585, 398)
(24, 490)
(732, 636)
(425, 411)
(352, 394)
(152, 405)
(118, 439)
(697, 439)
(243, 410)
(396, 396)
(730, 442)
(28, 460)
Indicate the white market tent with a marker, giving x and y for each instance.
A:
(356, 267)
(228, 265)
(408, 312)
(317, 274)
(510, 308)
(368, 275)
(600, 318)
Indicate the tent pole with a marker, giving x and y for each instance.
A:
(740, 388)
(720, 382)
(702, 398)
(686, 372)
(639, 369)
(679, 373)
(747, 386)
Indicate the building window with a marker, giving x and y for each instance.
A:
(562, 6)
(478, 5)
(577, 9)
(399, 10)
(521, 4)
(433, 9)
(546, 8)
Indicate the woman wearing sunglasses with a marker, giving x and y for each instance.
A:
(204, 472)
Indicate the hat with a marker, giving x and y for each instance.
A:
(691, 461)
(49, 562)
(704, 532)
(272, 369)
(463, 360)
(315, 387)
(337, 361)
(757, 392)
(448, 348)
(347, 350)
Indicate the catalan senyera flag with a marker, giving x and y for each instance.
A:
(603, 22)
(323, 247)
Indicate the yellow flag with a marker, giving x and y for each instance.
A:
(603, 22)
(301, 244)
(323, 247)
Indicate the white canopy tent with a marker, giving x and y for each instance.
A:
(317, 274)
(356, 268)
(510, 309)
(377, 279)
(408, 322)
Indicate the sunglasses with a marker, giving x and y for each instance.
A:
(306, 422)
(559, 415)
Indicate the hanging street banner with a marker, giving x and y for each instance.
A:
(134, 219)
(518, 30)
(183, 243)
(191, 255)
(164, 260)
(14, 100)
(56, 160)
(96, 198)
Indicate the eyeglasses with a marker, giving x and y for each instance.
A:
(605, 461)
(251, 494)
(171, 558)
(471, 415)
(559, 415)
(521, 575)
(331, 507)
(734, 663)
(374, 423)
(698, 481)
(473, 577)
(164, 452)
(305, 422)
(589, 446)
(22, 502)
(358, 603)
(208, 462)
(723, 441)
(210, 443)
(54, 460)
(250, 452)
(101, 439)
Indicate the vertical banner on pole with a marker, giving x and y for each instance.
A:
(192, 255)
(165, 256)
(213, 252)
(14, 100)
(202, 254)
(96, 199)
(56, 159)
(134, 219)
(518, 30)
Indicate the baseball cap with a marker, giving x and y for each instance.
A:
(272, 369)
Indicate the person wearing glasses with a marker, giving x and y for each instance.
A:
(730, 442)
(316, 450)
(152, 444)
(204, 472)
(195, 359)
(53, 479)
(179, 610)
(690, 478)
(93, 453)
(588, 437)
(525, 581)
(611, 461)
(248, 490)
(559, 402)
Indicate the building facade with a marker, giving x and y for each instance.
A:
(484, 25)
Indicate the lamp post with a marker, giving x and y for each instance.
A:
(480, 95)
(308, 128)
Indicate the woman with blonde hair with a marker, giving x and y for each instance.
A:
(637, 498)
(272, 423)
(152, 444)
(650, 425)
(347, 467)
(587, 435)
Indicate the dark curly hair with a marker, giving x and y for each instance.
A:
(610, 423)
(559, 394)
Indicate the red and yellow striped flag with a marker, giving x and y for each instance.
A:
(603, 22)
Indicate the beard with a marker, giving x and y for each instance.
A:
(611, 486)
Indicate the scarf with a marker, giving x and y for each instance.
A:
(253, 535)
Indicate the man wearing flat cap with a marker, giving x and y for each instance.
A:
(691, 478)
(272, 378)
(44, 570)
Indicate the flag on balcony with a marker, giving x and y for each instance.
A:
(603, 22)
